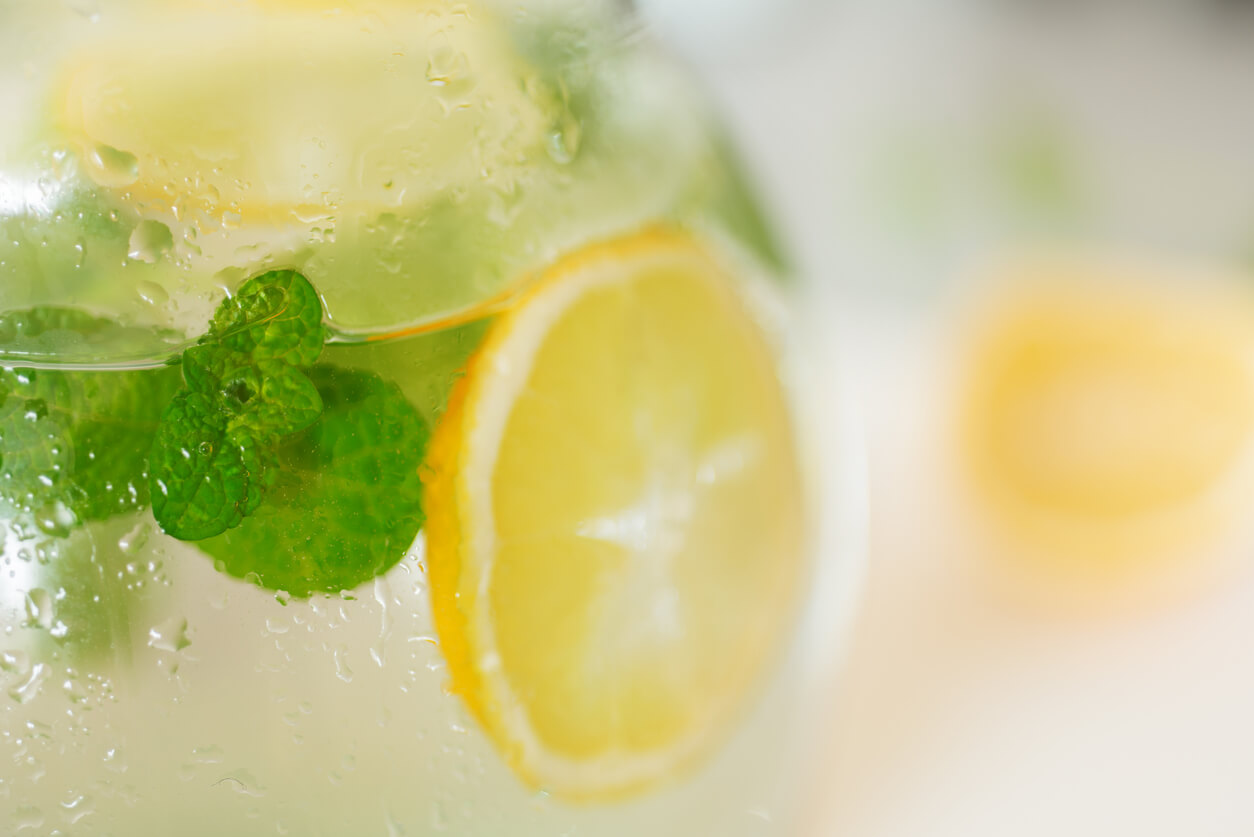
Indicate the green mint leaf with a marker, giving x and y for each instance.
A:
(245, 394)
(266, 398)
(346, 501)
(76, 438)
(274, 316)
(285, 402)
(206, 478)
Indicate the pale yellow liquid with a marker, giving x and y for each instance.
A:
(231, 713)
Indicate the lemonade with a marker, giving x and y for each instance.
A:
(392, 431)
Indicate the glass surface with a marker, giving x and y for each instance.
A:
(403, 430)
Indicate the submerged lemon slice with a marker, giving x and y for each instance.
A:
(258, 112)
(614, 518)
(1105, 412)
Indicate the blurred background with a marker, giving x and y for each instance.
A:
(1028, 228)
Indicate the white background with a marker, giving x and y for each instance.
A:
(967, 709)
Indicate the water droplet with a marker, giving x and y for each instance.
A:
(170, 635)
(149, 292)
(314, 215)
(564, 140)
(109, 166)
(382, 595)
(89, 9)
(439, 816)
(342, 670)
(759, 812)
(28, 689)
(506, 203)
(27, 816)
(134, 540)
(56, 519)
(208, 755)
(77, 807)
(242, 782)
(150, 241)
(189, 241)
(74, 690)
(274, 627)
(446, 65)
(14, 662)
(39, 609)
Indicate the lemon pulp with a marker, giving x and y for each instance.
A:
(614, 518)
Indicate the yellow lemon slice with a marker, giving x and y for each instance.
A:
(614, 518)
(1105, 411)
(262, 112)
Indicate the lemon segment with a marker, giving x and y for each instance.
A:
(615, 518)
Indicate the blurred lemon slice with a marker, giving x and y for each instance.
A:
(262, 111)
(1106, 410)
(614, 519)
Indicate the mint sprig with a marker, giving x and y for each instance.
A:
(345, 502)
(295, 474)
(246, 390)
